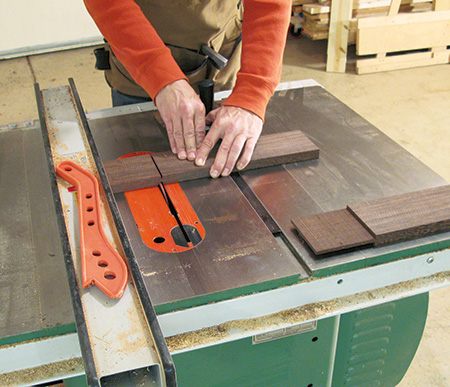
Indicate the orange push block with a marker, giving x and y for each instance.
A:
(101, 264)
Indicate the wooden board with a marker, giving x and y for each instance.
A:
(383, 11)
(315, 8)
(406, 216)
(340, 15)
(332, 231)
(381, 221)
(314, 35)
(441, 5)
(403, 32)
(271, 149)
(174, 170)
(132, 173)
(283, 148)
(403, 61)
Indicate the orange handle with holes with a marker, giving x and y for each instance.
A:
(101, 265)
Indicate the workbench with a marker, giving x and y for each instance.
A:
(251, 304)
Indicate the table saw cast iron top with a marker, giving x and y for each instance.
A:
(249, 242)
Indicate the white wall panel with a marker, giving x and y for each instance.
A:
(35, 26)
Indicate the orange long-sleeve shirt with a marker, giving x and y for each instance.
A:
(137, 45)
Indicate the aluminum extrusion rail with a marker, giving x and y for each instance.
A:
(83, 336)
(150, 314)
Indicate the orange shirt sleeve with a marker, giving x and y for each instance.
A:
(264, 31)
(136, 43)
(138, 46)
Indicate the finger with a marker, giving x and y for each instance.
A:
(233, 154)
(247, 153)
(211, 116)
(207, 145)
(169, 128)
(200, 132)
(221, 156)
(189, 137)
(179, 139)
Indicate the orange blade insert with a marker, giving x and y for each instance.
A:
(101, 264)
(155, 221)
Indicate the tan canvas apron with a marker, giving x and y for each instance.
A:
(184, 25)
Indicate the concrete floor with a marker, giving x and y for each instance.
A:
(411, 106)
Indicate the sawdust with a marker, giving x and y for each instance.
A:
(131, 340)
(302, 314)
(151, 274)
(222, 331)
(222, 219)
(32, 376)
(236, 252)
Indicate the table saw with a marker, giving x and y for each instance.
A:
(244, 301)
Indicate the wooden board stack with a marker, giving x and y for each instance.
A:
(317, 15)
(317, 20)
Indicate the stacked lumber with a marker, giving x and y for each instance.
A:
(317, 20)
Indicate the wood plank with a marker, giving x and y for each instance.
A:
(403, 61)
(314, 35)
(341, 13)
(403, 18)
(316, 8)
(383, 11)
(361, 4)
(403, 32)
(378, 222)
(332, 231)
(394, 7)
(283, 148)
(174, 170)
(271, 149)
(441, 5)
(147, 171)
(132, 173)
(405, 216)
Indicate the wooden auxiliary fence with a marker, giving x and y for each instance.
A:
(389, 34)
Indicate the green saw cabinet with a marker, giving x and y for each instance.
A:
(365, 348)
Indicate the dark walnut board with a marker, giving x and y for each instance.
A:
(149, 170)
(378, 222)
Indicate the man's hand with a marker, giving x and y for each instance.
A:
(239, 129)
(184, 115)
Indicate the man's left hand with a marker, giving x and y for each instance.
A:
(239, 130)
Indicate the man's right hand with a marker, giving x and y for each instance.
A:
(184, 116)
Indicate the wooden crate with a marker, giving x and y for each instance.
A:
(399, 33)
(396, 40)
